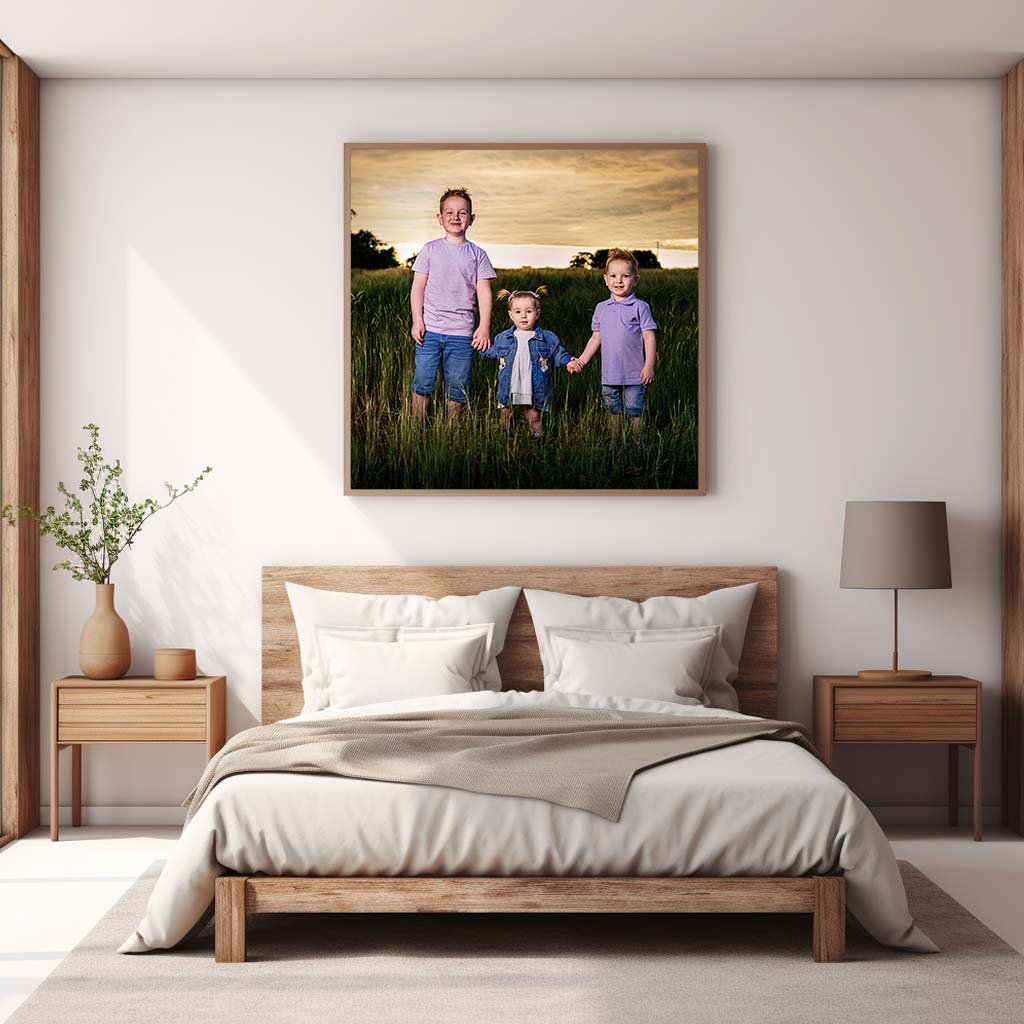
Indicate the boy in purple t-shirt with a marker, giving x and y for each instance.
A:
(624, 332)
(451, 278)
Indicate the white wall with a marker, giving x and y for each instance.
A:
(192, 306)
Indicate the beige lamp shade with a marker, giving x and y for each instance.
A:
(895, 545)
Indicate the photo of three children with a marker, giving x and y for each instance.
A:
(452, 278)
(433, 412)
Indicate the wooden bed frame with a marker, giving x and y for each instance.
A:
(822, 896)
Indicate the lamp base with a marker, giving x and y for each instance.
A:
(888, 675)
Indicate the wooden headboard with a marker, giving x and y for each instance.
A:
(520, 661)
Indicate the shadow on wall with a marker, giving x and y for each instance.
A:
(974, 545)
(793, 702)
(170, 600)
(287, 349)
(975, 551)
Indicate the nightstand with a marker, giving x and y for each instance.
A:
(943, 709)
(138, 709)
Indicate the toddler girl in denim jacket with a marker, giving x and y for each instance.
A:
(526, 355)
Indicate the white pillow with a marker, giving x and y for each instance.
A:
(729, 608)
(626, 636)
(325, 635)
(368, 671)
(670, 670)
(312, 607)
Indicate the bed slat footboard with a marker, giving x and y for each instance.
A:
(824, 897)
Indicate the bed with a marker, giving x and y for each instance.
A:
(762, 827)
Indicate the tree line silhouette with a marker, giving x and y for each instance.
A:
(368, 252)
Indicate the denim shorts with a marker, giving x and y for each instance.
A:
(624, 397)
(450, 352)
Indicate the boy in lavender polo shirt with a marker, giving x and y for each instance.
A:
(624, 332)
(451, 277)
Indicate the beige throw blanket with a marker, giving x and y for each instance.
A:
(576, 757)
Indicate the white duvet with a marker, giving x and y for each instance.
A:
(762, 807)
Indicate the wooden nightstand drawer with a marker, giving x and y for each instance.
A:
(106, 714)
(180, 713)
(868, 714)
(108, 696)
(132, 716)
(917, 695)
(904, 731)
(131, 732)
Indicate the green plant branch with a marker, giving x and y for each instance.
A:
(96, 539)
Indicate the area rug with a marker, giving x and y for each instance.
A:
(535, 969)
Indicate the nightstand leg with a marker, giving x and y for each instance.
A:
(55, 792)
(977, 792)
(954, 784)
(76, 783)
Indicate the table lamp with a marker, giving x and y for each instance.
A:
(895, 545)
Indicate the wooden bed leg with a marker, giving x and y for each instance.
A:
(829, 919)
(229, 920)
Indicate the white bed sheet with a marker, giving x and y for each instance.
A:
(762, 807)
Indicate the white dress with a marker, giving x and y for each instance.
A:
(522, 371)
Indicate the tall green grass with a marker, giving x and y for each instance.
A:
(584, 447)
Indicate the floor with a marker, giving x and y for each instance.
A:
(51, 894)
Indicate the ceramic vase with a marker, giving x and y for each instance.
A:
(105, 650)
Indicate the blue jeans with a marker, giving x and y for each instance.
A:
(624, 397)
(452, 353)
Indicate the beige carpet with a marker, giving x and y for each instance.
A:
(537, 969)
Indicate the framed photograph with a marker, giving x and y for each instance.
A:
(525, 319)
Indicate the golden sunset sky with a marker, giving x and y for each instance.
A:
(534, 207)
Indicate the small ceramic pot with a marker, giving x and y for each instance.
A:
(105, 649)
(174, 663)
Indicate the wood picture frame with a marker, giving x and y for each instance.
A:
(354, 483)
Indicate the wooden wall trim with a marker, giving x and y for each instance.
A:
(1013, 449)
(19, 443)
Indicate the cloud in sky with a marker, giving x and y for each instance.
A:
(587, 198)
